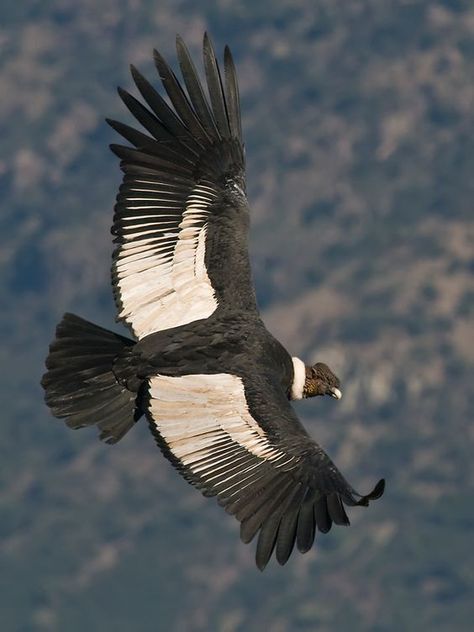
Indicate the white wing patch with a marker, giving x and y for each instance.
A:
(160, 268)
(205, 421)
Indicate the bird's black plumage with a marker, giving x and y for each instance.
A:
(213, 383)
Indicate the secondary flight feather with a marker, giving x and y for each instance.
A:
(213, 384)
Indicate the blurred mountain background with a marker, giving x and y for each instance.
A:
(358, 118)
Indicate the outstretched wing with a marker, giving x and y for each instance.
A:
(181, 217)
(239, 438)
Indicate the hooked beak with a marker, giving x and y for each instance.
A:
(335, 392)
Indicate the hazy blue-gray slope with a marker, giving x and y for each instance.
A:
(358, 123)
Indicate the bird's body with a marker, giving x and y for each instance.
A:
(238, 344)
(213, 383)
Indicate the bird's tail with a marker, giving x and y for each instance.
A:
(82, 384)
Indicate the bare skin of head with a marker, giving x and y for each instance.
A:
(320, 380)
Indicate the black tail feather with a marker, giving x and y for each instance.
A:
(80, 384)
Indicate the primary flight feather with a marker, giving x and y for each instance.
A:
(214, 385)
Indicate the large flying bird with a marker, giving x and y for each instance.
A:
(214, 385)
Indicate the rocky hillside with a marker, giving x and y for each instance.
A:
(358, 116)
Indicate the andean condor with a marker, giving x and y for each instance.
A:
(214, 385)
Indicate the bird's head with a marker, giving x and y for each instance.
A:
(320, 380)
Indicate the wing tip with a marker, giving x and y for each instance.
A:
(208, 47)
(228, 55)
(261, 563)
(378, 490)
(375, 494)
(114, 124)
(124, 95)
(117, 149)
(137, 77)
(159, 60)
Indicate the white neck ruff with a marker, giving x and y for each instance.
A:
(299, 379)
